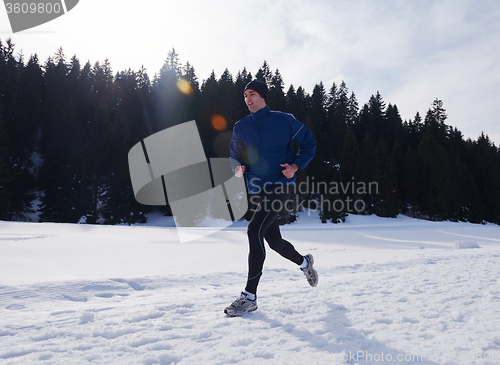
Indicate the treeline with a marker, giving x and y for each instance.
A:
(66, 129)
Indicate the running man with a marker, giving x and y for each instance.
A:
(262, 146)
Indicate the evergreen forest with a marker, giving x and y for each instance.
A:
(66, 129)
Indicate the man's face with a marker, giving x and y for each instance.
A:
(253, 100)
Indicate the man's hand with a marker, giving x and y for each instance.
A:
(238, 171)
(289, 170)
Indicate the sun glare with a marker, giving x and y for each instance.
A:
(219, 122)
(185, 87)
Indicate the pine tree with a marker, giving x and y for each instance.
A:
(171, 64)
(242, 79)
(264, 74)
(413, 130)
(318, 108)
(189, 74)
(118, 202)
(435, 178)
(484, 166)
(345, 172)
(9, 68)
(386, 203)
(28, 109)
(291, 100)
(55, 95)
(277, 99)
(434, 122)
(352, 111)
(212, 101)
(371, 118)
(397, 157)
(318, 118)
(338, 117)
(303, 104)
(142, 126)
(367, 170)
(312, 116)
(166, 95)
(392, 127)
(227, 106)
(101, 138)
(21, 125)
(4, 171)
(189, 99)
(412, 182)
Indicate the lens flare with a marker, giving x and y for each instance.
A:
(252, 155)
(219, 122)
(184, 86)
(221, 144)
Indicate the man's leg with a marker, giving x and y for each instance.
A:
(281, 246)
(264, 224)
(257, 252)
(273, 234)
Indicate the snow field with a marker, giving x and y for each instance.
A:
(390, 291)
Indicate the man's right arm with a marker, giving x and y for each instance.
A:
(236, 148)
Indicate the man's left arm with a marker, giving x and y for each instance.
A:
(236, 150)
(302, 136)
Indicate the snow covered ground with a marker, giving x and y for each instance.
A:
(398, 291)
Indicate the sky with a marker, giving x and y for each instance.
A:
(412, 52)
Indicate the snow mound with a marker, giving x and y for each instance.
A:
(459, 245)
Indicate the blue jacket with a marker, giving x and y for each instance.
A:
(262, 141)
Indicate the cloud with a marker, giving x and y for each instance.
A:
(412, 52)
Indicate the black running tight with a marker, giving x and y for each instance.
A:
(264, 225)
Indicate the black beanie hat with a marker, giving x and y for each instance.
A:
(258, 86)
